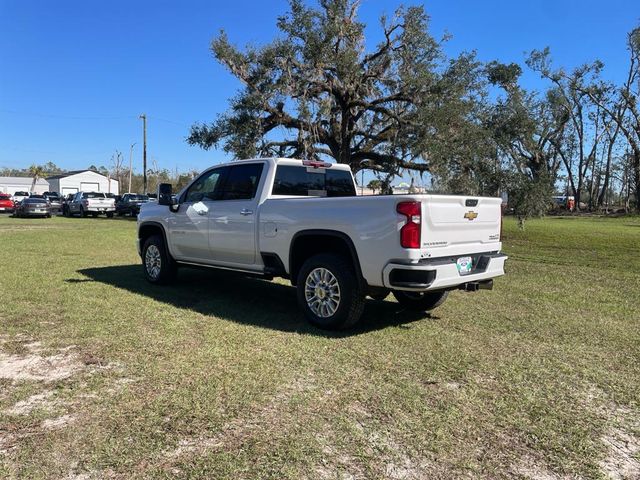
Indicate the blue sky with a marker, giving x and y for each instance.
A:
(75, 75)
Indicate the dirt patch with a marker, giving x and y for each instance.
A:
(622, 459)
(59, 422)
(33, 366)
(34, 402)
(532, 469)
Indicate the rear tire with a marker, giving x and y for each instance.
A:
(83, 214)
(157, 264)
(109, 214)
(421, 301)
(329, 293)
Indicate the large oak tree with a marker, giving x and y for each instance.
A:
(317, 91)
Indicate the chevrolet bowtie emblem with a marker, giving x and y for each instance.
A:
(470, 215)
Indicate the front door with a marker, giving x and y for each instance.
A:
(189, 226)
(232, 219)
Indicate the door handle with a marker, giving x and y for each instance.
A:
(246, 211)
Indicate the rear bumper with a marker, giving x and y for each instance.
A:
(99, 209)
(31, 213)
(441, 273)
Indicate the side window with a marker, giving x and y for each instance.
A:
(242, 182)
(205, 187)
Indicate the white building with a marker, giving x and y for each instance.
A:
(82, 181)
(12, 185)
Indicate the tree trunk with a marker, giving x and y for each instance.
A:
(636, 175)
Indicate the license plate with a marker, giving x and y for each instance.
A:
(464, 265)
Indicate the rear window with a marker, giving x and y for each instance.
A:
(93, 195)
(139, 197)
(303, 182)
(34, 200)
(242, 182)
(21, 194)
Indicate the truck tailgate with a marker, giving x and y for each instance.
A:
(458, 224)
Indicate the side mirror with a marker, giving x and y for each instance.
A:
(165, 194)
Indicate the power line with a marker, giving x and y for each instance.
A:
(67, 117)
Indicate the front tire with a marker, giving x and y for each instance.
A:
(157, 264)
(109, 214)
(329, 293)
(421, 301)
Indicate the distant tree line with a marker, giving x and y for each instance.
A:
(317, 91)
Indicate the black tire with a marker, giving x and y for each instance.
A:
(48, 215)
(421, 301)
(109, 214)
(167, 265)
(351, 297)
(82, 212)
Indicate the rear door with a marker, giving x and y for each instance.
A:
(461, 223)
(232, 219)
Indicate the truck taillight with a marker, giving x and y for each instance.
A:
(410, 232)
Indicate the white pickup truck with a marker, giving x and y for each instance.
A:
(302, 220)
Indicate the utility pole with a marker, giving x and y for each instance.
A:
(144, 152)
(130, 165)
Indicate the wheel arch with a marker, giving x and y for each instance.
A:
(306, 243)
(148, 229)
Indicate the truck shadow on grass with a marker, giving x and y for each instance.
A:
(244, 300)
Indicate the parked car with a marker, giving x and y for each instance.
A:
(130, 204)
(19, 196)
(55, 201)
(270, 217)
(6, 203)
(91, 203)
(65, 203)
(33, 207)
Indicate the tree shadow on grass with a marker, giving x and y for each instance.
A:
(244, 300)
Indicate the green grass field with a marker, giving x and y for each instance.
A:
(105, 376)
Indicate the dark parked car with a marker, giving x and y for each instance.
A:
(33, 207)
(55, 201)
(6, 204)
(65, 203)
(130, 203)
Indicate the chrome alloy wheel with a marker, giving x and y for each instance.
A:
(153, 261)
(322, 292)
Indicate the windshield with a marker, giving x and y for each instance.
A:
(92, 195)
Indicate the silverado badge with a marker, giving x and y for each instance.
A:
(470, 215)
